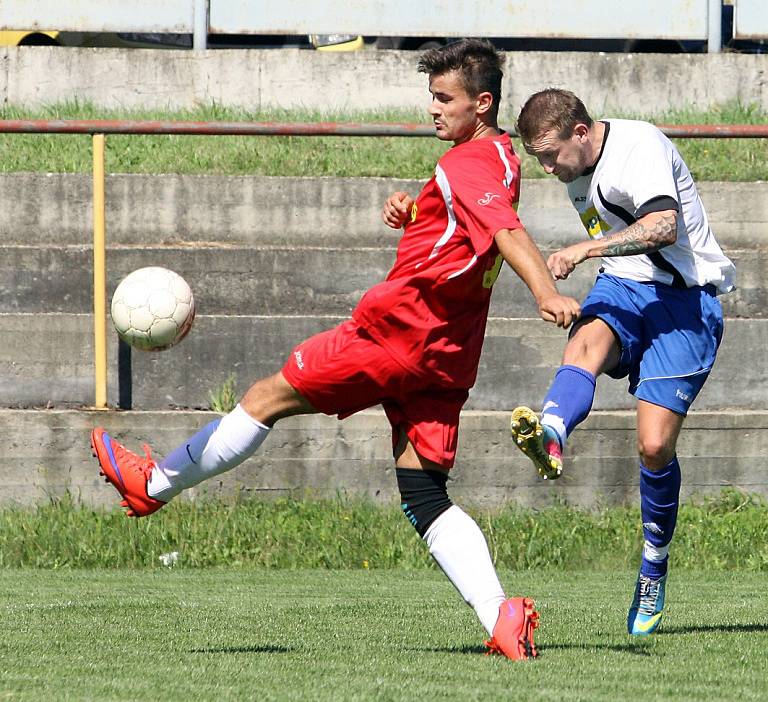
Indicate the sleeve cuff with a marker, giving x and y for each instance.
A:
(657, 204)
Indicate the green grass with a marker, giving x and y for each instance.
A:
(267, 155)
(709, 159)
(725, 533)
(721, 159)
(224, 398)
(225, 634)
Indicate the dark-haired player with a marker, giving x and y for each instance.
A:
(412, 345)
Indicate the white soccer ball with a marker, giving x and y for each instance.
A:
(153, 308)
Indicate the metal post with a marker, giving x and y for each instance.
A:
(714, 26)
(99, 275)
(200, 24)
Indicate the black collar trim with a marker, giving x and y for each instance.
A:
(591, 169)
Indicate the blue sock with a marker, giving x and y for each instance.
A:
(569, 400)
(659, 500)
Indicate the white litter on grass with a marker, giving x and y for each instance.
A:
(169, 559)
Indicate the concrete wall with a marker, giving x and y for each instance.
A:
(264, 280)
(54, 209)
(368, 80)
(273, 260)
(47, 452)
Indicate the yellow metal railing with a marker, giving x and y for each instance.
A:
(99, 273)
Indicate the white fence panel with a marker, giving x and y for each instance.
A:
(169, 16)
(750, 19)
(586, 19)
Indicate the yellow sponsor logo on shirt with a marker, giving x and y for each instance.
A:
(594, 225)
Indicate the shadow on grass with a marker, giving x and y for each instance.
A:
(636, 649)
(719, 628)
(463, 650)
(242, 649)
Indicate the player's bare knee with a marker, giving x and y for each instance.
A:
(580, 347)
(655, 453)
(576, 353)
(273, 398)
(592, 346)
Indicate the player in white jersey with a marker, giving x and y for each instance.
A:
(652, 316)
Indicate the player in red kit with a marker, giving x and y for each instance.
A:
(412, 345)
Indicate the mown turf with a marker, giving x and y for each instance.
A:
(219, 634)
(414, 157)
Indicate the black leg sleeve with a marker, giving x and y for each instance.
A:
(423, 496)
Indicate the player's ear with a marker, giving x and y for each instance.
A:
(484, 102)
(581, 131)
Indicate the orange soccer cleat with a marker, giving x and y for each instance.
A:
(127, 472)
(513, 633)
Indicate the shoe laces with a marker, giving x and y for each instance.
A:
(133, 460)
(648, 595)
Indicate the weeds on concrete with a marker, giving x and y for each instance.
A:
(224, 398)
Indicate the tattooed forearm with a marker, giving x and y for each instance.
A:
(644, 236)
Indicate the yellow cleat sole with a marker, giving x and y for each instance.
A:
(528, 434)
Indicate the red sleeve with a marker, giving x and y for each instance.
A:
(483, 202)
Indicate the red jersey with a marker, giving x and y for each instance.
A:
(430, 312)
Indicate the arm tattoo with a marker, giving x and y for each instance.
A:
(642, 237)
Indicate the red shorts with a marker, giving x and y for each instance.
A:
(343, 370)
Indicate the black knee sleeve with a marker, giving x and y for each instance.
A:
(423, 496)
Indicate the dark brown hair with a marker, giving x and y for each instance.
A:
(477, 62)
(551, 109)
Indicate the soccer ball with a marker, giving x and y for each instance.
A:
(153, 308)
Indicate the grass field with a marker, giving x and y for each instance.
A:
(222, 634)
(708, 159)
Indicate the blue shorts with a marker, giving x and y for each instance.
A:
(668, 336)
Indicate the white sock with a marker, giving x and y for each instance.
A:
(655, 554)
(217, 447)
(460, 549)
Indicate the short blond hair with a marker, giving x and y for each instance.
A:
(548, 109)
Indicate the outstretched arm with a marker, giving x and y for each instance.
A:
(521, 253)
(650, 233)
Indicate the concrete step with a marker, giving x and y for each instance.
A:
(56, 209)
(291, 79)
(47, 453)
(286, 281)
(48, 358)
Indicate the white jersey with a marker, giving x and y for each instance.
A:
(639, 171)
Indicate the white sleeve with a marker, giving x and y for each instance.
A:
(648, 172)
